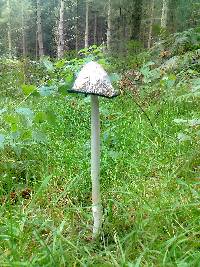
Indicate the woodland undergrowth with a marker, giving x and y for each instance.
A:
(150, 167)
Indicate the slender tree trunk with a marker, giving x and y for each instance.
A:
(87, 25)
(23, 31)
(151, 24)
(173, 19)
(136, 20)
(9, 29)
(95, 28)
(122, 30)
(164, 14)
(36, 46)
(124, 27)
(61, 41)
(77, 30)
(39, 30)
(109, 27)
(100, 31)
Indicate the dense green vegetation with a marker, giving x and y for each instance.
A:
(150, 161)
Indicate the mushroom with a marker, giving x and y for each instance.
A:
(93, 80)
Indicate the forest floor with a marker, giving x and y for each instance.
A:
(150, 178)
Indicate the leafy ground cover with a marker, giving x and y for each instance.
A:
(150, 172)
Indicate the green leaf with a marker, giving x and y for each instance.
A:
(10, 118)
(155, 74)
(168, 81)
(48, 64)
(180, 121)
(196, 85)
(60, 64)
(15, 135)
(47, 90)
(196, 82)
(26, 135)
(62, 89)
(195, 88)
(2, 139)
(39, 137)
(28, 89)
(51, 117)
(40, 117)
(183, 137)
(150, 63)
(13, 121)
(191, 123)
(113, 154)
(194, 122)
(172, 77)
(102, 61)
(2, 111)
(27, 112)
(69, 78)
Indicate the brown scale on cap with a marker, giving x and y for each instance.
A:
(93, 80)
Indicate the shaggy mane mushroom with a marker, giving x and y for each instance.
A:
(93, 80)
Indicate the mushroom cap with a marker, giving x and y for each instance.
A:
(93, 79)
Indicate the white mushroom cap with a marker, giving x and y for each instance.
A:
(93, 79)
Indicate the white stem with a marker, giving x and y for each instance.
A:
(95, 164)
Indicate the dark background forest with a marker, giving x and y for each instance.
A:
(122, 20)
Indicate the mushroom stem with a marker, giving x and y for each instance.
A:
(95, 165)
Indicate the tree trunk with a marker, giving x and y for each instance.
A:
(151, 24)
(164, 14)
(9, 30)
(124, 24)
(39, 30)
(136, 20)
(95, 28)
(36, 46)
(109, 19)
(122, 31)
(87, 25)
(77, 29)
(101, 31)
(23, 31)
(61, 41)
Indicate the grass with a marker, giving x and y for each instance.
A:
(149, 180)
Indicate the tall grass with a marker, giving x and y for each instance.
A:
(149, 180)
